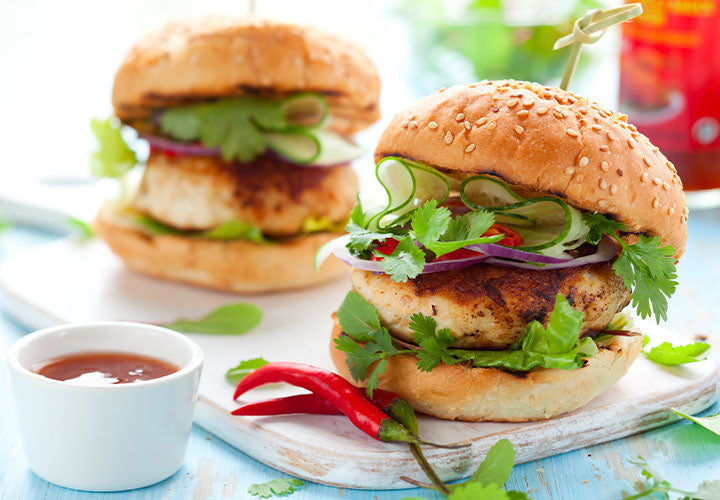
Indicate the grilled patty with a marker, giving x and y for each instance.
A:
(193, 193)
(487, 307)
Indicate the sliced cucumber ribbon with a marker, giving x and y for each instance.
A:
(547, 224)
(306, 110)
(407, 184)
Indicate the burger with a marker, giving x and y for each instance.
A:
(249, 126)
(489, 283)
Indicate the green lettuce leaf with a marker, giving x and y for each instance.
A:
(114, 158)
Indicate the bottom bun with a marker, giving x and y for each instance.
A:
(234, 266)
(461, 392)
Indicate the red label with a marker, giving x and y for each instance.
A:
(670, 76)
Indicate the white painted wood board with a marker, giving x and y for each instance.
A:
(68, 282)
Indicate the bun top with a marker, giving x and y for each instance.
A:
(224, 58)
(548, 140)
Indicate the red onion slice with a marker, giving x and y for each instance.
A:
(513, 253)
(374, 266)
(180, 148)
(607, 249)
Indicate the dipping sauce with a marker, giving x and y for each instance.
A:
(92, 368)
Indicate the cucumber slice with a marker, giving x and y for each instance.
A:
(335, 149)
(487, 193)
(327, 249)
(299, 146)
(552, 219)
(407, 185)
(305, 110)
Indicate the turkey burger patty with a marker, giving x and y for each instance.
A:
(194, 193)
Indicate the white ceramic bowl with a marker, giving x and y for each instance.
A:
(105, 437)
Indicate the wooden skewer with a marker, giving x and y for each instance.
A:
(589, 29)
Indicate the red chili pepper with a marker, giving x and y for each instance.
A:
(342, 394)
(387, 248)
(308, 404)
(512, 238)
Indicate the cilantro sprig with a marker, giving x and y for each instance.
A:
(235, 126)
(654, 485)
(432, 232)
(668, 354)
(646, 267)
(275, 487)
(366, 342)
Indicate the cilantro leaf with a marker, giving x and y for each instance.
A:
(236, 126)
(600, 225)
(434, 343)
(429, 222)
(357, 358)
(474, 491)
(497, 465)
(275, 487)
(668, 354)
(114, 158)
(361, 239)
(406, 261)
(230, 319)
(236, 374)
(358, 318)
(649, 271)
(711, 422)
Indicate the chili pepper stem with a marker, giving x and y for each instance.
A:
(428, 470)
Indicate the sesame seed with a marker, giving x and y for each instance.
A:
(512, 103)
(630, 144)
(481, 121)
(448, 137)
(584, 111)
(569, 170)
(519, 129)
(584, 161)
(542, 111)
(491, 125)
(596, 128)
(602, 184)
(644, 177)
(655, 202)
(557, 114)
(432, 125)
(460, 117)
(468, 126)
(666, 186)
(656, 149)
(442, 89)
(619, 172)
(572, 133)
(558, 99)
(671, 211)
(413, 124)
(604, 148)
(610, 137)
(602, 203)
(516, 94)
(604, 166)
(657, 181)
(470, 148)
(613, 189)
(686, 210)
(528, 103)
(523, 113)
(646, 161)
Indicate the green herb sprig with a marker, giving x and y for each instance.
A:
(646, 267)
(275, 487)
(230, 319)
(657, 487)
(668, 354)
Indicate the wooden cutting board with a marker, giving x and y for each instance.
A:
(69, 282)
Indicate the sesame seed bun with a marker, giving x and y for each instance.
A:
(234, 266)
(222, 57)
(461, 392)
(547, 140)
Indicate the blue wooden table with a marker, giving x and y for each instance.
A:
(684, 453)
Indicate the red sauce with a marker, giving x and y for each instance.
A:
(91, 368)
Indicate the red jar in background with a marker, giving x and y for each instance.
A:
(670, 86)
